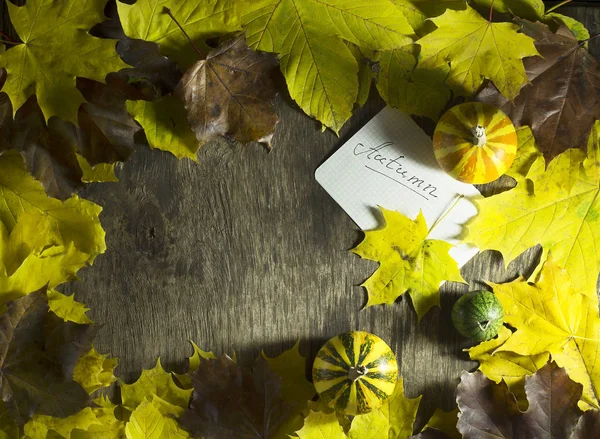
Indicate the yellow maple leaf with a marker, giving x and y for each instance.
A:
(154, 382)
(166, 126)
(558, 208)
(155, 418)
(34, 255)
(56, 49)
(108, 426)
(321, 425)
(39, 426)
(95, 371)
(400, 412)
(471, 49)
(528, 158)
(194, 362)
(395, 419)
(76, 219)
(506, 365)
(309, 36)
(550, 316)
(146, 422)
(444, 422)
(102, 172)
(408, 262)
(67, 308)
(291, 367)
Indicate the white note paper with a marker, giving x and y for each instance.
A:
(390, 163)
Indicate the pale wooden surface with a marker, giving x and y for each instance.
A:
(244, 251)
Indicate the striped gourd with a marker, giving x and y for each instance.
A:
(478, 315)
(474, 142)
(355, 372)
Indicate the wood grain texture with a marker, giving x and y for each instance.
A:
(244, 251)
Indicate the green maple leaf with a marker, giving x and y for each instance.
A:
(56, 49)
(559, 209)
(147, 20)
(409, 262)
(470, 49)
(309, 36)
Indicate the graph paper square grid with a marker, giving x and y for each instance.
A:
(390, 163)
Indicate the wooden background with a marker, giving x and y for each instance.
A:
(244, 251)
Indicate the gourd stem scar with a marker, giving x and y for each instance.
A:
(356, 372)
(479, 137)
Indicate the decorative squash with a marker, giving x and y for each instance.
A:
(355, 372)
(478, 315)
(475, 143)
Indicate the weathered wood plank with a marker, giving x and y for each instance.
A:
(244, 251)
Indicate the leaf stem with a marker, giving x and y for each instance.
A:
(590, 38)
(492, 10)
(9, 42)
(445, 214)
(555, 7)
(8, 37)
(168, 12)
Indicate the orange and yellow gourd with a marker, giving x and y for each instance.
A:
(475, 143)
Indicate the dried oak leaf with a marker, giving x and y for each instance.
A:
(38, 353)
(562, 100)
(231, 402)
(231, 93)
(489, 410)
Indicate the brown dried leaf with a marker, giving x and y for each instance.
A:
(562, 101)
(553, 398)
(38, 353)
(48, 150)
(486, 408)
(106, 131)
(231, 402)
(489, 410)
(587, 426)
(231, 93)
(430, 433)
